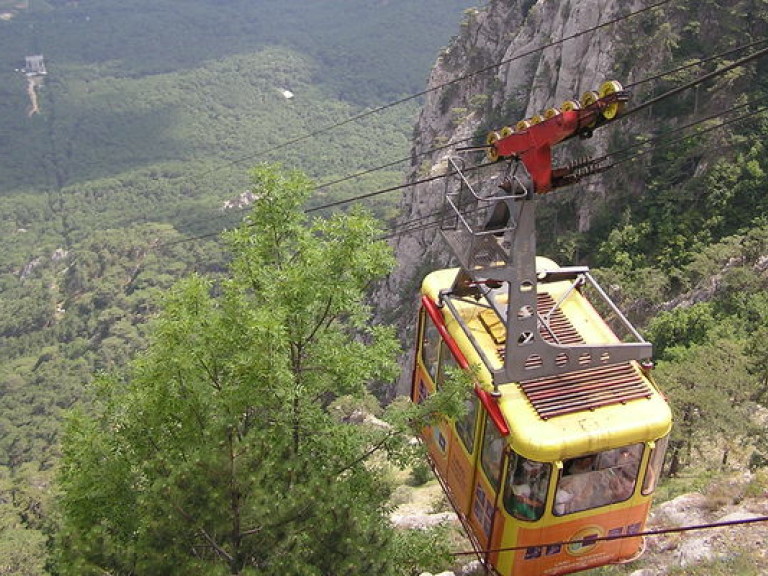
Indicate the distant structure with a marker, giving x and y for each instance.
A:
(35, 65)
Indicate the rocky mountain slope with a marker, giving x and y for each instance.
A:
(514, 59)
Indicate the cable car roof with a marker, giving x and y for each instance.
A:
(567, 414)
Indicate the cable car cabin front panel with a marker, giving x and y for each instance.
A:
(564, 517)
(545, 495)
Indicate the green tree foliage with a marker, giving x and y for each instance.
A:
(145, 117)
(24, 503)
(682, 326)
(711, 392)
(217, 454)
(712, 353)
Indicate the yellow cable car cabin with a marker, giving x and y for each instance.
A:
(538, 463)
(553, 467)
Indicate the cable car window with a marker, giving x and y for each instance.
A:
(655, 464)
(525, 491)
(447, 365)
(430, 347)
(597, 479)
(465, 426)
(493, 452)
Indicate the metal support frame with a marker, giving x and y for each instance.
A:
(498, 256)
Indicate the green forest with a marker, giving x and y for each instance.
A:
(114, 194)
(148, 122)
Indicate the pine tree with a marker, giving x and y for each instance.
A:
(216, 453)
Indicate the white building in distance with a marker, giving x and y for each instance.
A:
(35, 65)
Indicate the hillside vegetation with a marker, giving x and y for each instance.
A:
(149, 119)
(153, 112)
(675, 229)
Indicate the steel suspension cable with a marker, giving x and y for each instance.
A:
(587, 541)
(437, 87)
(642, 106)
(697, 62)
(421, 223)
(697, 81)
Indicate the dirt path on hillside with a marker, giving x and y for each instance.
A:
(32, 85)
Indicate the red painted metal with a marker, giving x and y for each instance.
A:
(437, 319)
(534, 144)
(494, 412)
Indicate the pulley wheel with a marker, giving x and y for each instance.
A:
(589, 98)
(491, 153)
(569, 105)
(614, 109)
(522, 126)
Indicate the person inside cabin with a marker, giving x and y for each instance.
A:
(576, 488)
(598, 480)
(623, 471)
(527, 493)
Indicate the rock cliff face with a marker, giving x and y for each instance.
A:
(512, 59)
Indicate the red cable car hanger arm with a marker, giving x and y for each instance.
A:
(532, 140)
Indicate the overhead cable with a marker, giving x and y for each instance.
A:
(588, 541)
(437, 87)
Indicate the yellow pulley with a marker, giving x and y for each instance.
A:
(569, 105)
(522, 126)
(491, 153)
(614, 109)
(589, 98)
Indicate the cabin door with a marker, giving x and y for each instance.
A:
(486, 520)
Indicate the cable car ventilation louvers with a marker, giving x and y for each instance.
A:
(574, 391)
(585, 390)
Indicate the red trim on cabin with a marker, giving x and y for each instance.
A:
(489, 402)
(492, 407)
(437, 319)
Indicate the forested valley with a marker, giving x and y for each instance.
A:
(136, 157)
(123, 165)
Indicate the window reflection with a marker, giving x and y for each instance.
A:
(430, 346)
(493, 451)
(465, 427)
(597, 479)
(447, 365)
(525, 493)
(655, 464)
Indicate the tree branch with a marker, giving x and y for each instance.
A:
(213, 377)
(375, 448)
(208, 538)
(322, 320)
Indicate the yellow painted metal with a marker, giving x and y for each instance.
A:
(522, 125)
(570, 105)
(589, 98)
(491, 152)
(569, 435)
(614, 109)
